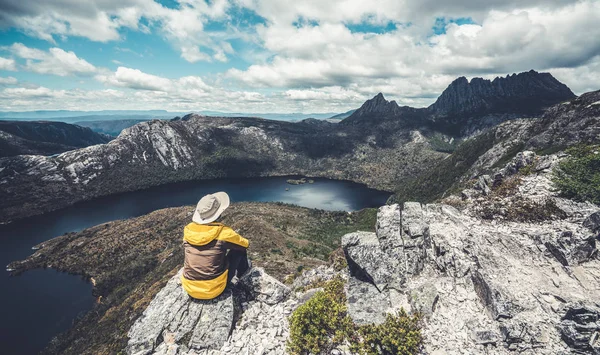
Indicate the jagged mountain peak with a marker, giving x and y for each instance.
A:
(378, 107)
(377, 101)
(523, 93)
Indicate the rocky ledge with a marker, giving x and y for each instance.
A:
(493, 286)
(175, 323)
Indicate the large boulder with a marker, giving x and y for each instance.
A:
(580, 327)
(368, 262)
(397, 249)
(570, 250)
(176, 322)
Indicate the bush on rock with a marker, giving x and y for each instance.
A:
(322, 323)
(578, 176)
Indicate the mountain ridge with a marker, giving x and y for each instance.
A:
(467, 103)
(45, 137)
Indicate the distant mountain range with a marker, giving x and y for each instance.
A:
(110, 127)
(112, 115)
(45, 138)
(54, 115)
(341, 116)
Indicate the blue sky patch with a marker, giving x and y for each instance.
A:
(369, 27)
(440, 24)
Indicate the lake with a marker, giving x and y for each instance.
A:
(39, 304)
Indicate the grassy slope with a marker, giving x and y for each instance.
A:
(445, 175)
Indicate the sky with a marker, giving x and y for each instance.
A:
(283, 56)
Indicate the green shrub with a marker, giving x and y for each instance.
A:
(322, 323)
(398, 335)
(578, 176)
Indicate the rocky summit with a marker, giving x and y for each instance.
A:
(482, 286)
(527, 93)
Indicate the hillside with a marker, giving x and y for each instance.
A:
(197, 147)
(45, 138)
(110, 127)
(567, 124)
(131, 260)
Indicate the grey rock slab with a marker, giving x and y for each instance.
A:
(368, 262)
(172, 316)
(263, 287)
(424, 298)
(366, 305)
(214, 324)
(593, 222)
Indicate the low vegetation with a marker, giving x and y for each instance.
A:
(326, 230)
(322, 324)
(578, 176)
(442, 143)
(506, 203)
(444, 175)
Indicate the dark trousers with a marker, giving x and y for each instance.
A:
(238, 263)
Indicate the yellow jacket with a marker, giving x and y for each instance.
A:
(205, 263)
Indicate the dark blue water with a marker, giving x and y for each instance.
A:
(39, 304)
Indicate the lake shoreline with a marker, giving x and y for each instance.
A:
(60, 207)
(73, 226)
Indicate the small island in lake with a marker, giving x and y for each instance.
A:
(300, 181)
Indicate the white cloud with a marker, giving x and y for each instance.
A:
(96, 20)
(55, 61)
(135, 79)
(581, 79)
(102, 20)
(8, 80)
(7, 64)
(305, 57)
(408, 64)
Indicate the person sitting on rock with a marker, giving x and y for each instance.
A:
(214, 253)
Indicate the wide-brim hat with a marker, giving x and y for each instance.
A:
(210, 207)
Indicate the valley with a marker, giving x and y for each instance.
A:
(381, 145)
